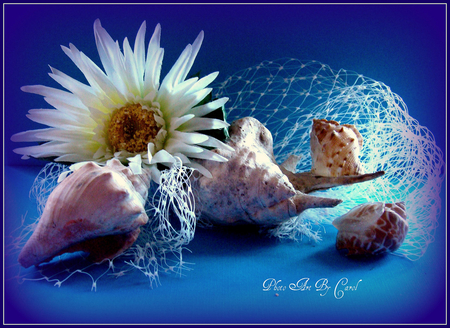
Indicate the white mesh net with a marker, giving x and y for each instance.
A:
(286, 94)
(172, 222)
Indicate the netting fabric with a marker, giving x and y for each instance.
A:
(287, 94)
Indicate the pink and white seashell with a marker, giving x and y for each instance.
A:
(335, 149)
(95, 209)
(372, 228)
(251, 187)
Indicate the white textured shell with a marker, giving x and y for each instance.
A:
(335, 149)
(251, 187)
(372, 228)
(95, 209)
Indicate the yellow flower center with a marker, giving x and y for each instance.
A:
(131, 128)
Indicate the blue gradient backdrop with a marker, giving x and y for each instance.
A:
(400, 45)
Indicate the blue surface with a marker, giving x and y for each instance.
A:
(402, 46)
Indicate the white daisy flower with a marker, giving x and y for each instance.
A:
(125, 112)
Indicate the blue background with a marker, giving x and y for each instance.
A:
(400, 45)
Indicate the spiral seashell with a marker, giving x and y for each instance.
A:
(372, 228)
(251, 187)
(95, 209)
(335, 149)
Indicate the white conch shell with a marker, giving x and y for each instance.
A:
(335, 149)
(251, 187)
(372, 228)
(95, 209)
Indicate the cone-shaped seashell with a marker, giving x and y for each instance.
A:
(335, 149)
(372, 228)
(251, 187)
(95, 209)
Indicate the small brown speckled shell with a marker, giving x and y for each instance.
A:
(335, 149)
(372, 228)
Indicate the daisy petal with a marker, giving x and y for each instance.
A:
(206, 154)
(214, 143)
(190, 137)
(184, 158)
(100, 153)
(64, 135)
(65, 107)
(207, 108)
(184, 87)
(139, 48)
(63, 175)
(73, 158)
(199, 168)
(186, 102)
(173, 77)
(150, 150)
(105, 87)
(177, 121)
(195, 49)
(105, 47)
(54, 118)
(28, 136)
(75, 55)
(153, 64)
(163, 156)
(177, 146)
(156, 175)
(50, 149)
(131, 72)
(57, 94)
(135, 164)
(82, 91)
(201, 124)
(204, 82)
